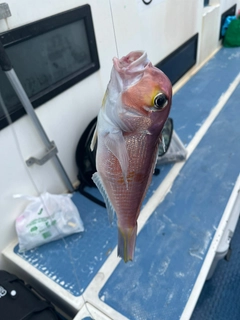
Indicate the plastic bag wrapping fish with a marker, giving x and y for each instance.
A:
(135, 107)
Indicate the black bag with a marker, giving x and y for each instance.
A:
(86, 162)
(19, 302)
(85, 158)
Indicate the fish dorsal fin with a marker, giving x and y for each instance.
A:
(116, 144)
(98, 181)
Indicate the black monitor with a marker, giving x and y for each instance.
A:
(49, 56)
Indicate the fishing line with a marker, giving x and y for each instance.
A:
(114, 31)
(69, 253)
(17, 143)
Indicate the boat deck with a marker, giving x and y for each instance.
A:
(219, 299)
(183, 214)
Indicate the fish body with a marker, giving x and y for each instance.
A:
(135, 107)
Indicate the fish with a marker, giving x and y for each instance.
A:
(134, 110)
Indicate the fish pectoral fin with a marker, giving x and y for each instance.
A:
(94, 139)
(98, 181)
(117, 146)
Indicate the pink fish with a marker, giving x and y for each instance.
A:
(134, 109)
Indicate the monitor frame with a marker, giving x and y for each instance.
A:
(28, 31)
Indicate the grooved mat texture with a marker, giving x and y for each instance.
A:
(220, 297)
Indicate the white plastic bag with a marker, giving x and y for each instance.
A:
(47, 218)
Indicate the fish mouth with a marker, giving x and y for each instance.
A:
(131, 68)
(135, 61)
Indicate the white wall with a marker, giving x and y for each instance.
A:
(211, 19)
(158, 28)
(64, 117)
(226, 4)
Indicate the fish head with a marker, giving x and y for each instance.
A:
(146, 90)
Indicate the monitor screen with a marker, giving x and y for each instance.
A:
(49, 56)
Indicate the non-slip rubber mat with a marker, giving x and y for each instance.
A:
(220, 297)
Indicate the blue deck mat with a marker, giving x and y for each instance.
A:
(219, 299)
(173, 243)
(191, 104)
(88, 251)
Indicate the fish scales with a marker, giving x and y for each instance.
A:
(135, 107)
(126, 202)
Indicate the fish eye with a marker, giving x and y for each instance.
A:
(160, 101)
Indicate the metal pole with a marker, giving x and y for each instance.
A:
(13, 79)
(16, 84)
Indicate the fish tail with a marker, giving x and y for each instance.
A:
(126, 242)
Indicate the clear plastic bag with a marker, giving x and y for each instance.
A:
(176, 151)
(47, 218)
